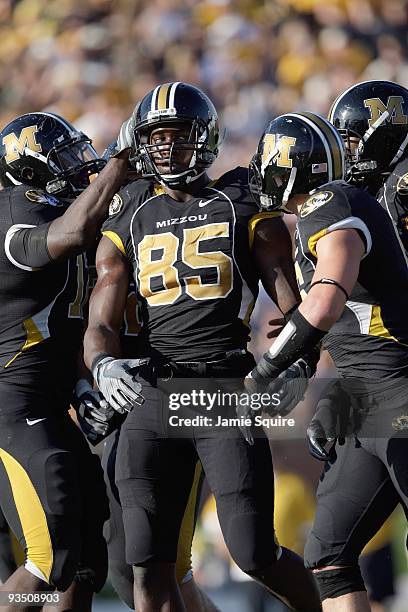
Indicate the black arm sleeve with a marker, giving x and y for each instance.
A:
(27, 247)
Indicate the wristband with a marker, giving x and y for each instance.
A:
(97, 361)
(297, 338)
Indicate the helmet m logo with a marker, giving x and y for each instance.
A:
(394, 109)
(15, 145)
(277, 148)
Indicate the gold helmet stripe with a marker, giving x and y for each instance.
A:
(335, 142)
(162, 97)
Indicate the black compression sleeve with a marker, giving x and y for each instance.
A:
(28, 247)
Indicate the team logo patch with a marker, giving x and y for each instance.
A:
(116, 205)
(41, 198)
(315, 201)
(402, 185)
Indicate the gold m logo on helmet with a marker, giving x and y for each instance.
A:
(15, 145)
(394, 108)
(277, 148)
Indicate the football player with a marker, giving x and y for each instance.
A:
(353, 276)
(372, 118)
(196, 249)
(52, 492)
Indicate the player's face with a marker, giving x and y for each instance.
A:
(352, 146)
(171, 151)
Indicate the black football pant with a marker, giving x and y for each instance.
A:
(363, 481)
(154, 472)
(53, 497)
(121, 573)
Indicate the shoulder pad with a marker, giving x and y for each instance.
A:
(135, 191)
(236, 176)
(316, 201)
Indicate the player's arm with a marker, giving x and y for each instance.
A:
(77, 228)
(107, 303)
(338, 262)
(272, 253)
(31, 247)
(115, 377)
(338, 259)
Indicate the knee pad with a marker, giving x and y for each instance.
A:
(251, 542)
(336, 582)
(121, 576)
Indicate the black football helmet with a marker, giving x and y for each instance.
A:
(176, 105)
(44, 151)
(372, 118)
(297, 153)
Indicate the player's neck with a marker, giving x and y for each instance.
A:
(188, 192)
(296, 203)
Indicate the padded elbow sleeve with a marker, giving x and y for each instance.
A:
(26, 246)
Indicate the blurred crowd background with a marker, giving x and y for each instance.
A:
(91, 60)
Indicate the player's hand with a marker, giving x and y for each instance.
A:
(290, 386)
(330, 422)
(244, 411)
(117, 381)
(125, 140)
(95, 417)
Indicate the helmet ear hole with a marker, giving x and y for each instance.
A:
(27, 173)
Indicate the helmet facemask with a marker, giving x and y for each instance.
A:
(372, 119)
(298, 152)
(270, 185)
(195, 141)
(74, 162)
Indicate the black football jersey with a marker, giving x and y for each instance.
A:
(393, 196)
(195, 281)
(41, 322)
(371, 337)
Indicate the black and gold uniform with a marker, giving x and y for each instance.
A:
(371, 337)
(196, 285)
(41, 323)
(120, 573)
(50, 483)
(369, 345)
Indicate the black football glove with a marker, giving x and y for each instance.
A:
(291, 384)
(95, 417)
(245, 411)
(117, 381)
(331, 422)
(260, 377)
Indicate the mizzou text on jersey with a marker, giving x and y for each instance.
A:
(194, 281)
